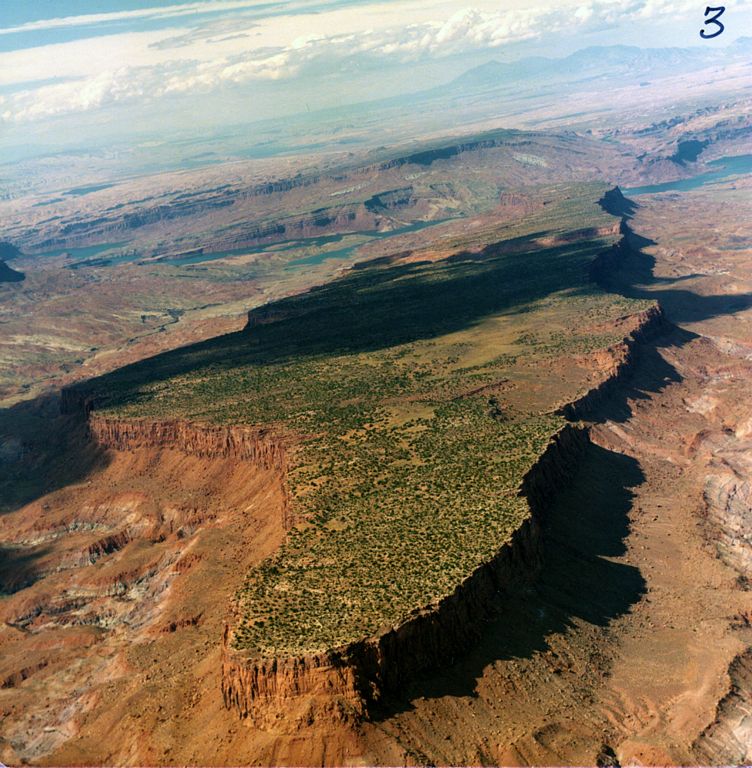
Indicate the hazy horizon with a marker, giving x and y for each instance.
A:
(79, 73)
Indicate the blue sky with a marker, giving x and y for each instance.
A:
(87, 18)
(100, 62)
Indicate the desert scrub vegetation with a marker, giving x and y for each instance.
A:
(421, 507)
(393, 382)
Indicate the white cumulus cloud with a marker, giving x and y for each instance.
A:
(197, 60)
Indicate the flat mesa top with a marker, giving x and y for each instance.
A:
(416, 394)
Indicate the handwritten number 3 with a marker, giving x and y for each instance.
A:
(713, 20)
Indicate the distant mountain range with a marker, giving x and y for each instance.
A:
(545, 88)
(606, 60)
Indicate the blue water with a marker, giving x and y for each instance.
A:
(322, 256)
(344, 253)
(727, 166)
(285, 245)
(80, 254)
(310, 242)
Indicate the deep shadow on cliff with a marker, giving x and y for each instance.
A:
(628, 270)
(649, 374)
(586, 524)
(20, 567)
(42, 451)
(614, 202)
(386, 304)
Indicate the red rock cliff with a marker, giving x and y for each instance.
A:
(344, 682)
(257, 445)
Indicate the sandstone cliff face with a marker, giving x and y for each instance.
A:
(294, 691)
(728, 504)
(617, 362)
(257, 445)
(630, 244)
(346, 681)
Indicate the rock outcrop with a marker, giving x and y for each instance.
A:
(257, 445)
(346, 682)
(728, 739)
(617, 362)
(728, 506)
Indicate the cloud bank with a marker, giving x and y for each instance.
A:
(235, 51)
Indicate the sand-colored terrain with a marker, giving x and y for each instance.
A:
(126, 575)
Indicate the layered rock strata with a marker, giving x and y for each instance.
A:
(728, 739)
(728, 504)
(257, 445)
